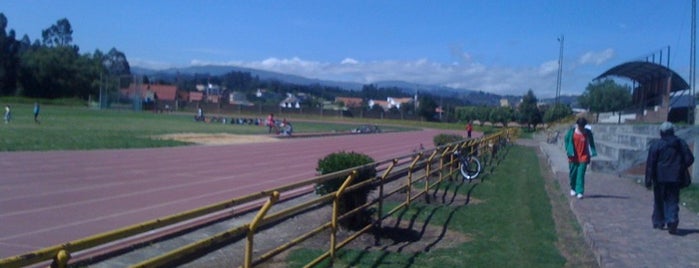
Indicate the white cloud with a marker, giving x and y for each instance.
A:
(596, 58)
(464, 75)
(349, 61)
(548, 67)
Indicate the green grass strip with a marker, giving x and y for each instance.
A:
(508, 220)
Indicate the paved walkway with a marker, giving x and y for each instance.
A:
(615, 216)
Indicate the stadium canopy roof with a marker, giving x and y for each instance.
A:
(646, 72)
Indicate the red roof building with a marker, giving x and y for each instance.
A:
(163, 92)
(350, 102)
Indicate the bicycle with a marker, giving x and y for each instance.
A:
(469, 165)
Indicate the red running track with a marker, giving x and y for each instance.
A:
(48, 198)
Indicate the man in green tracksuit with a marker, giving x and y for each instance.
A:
(580, 148)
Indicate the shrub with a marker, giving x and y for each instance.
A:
(350, 200)
(443, 139)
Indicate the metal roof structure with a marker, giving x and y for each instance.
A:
(646, 72)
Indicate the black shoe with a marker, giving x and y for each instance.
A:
(672, 228)
(659, 226)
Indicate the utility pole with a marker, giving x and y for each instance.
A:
(560, 70)
(693, 64)
(692, 85)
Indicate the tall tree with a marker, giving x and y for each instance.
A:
(529, 111)
(9, 58)
(427, 108)
(115, 63)
(58, 35)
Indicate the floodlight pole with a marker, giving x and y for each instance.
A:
(692, 85)
(693, 64)
(560, 70)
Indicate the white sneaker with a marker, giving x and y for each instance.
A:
(580, 196)
(572, 192)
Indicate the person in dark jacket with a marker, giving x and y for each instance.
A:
(668, 159)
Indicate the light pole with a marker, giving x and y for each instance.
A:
(560, 70)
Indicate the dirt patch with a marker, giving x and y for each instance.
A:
(216, 138)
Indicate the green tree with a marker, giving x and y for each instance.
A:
(605, 96)
(502, 115)
(465, 114)
(482, 114)
(557, 112)
(58, 35)
(56, 70)
(115, 62)
(9, 58)
(427, 108)
(529, 112)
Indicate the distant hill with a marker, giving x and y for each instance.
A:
(217, 70)
(469, 96)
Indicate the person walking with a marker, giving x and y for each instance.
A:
(667, 163)
(270, 123)
(580, 148)
(469, 128)
(8, 114)
(36, 112)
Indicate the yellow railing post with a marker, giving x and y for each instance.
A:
(441, 163)
(410, 176)
(428, 170)
(380, 209)
(253, 227)
(61, 259)
(336, 207)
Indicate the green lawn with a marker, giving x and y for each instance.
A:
(82, 128)
(511, 224)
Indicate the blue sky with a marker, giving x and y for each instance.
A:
(503, 47)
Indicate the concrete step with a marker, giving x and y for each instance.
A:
(625, 156)
(603, 164)
(635, 140)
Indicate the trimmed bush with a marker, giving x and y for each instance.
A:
(443, 139)
(350, 200)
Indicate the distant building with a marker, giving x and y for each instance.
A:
(398, 102)
(159, 95)
(238, 98)
(290, 101)
(379, 103)
(390, 102)
(350, 102)
(196, 96)
(504, 103)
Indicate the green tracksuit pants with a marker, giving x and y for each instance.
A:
(577, 177)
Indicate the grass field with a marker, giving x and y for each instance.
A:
(81, 128)
(508, 220)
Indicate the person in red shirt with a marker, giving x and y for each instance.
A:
(469, 128)
(270, 123)
(580, 148)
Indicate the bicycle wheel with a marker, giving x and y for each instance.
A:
(470, 168)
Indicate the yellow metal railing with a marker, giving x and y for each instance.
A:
(414, 167)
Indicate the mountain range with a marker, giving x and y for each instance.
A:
(471, 96)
